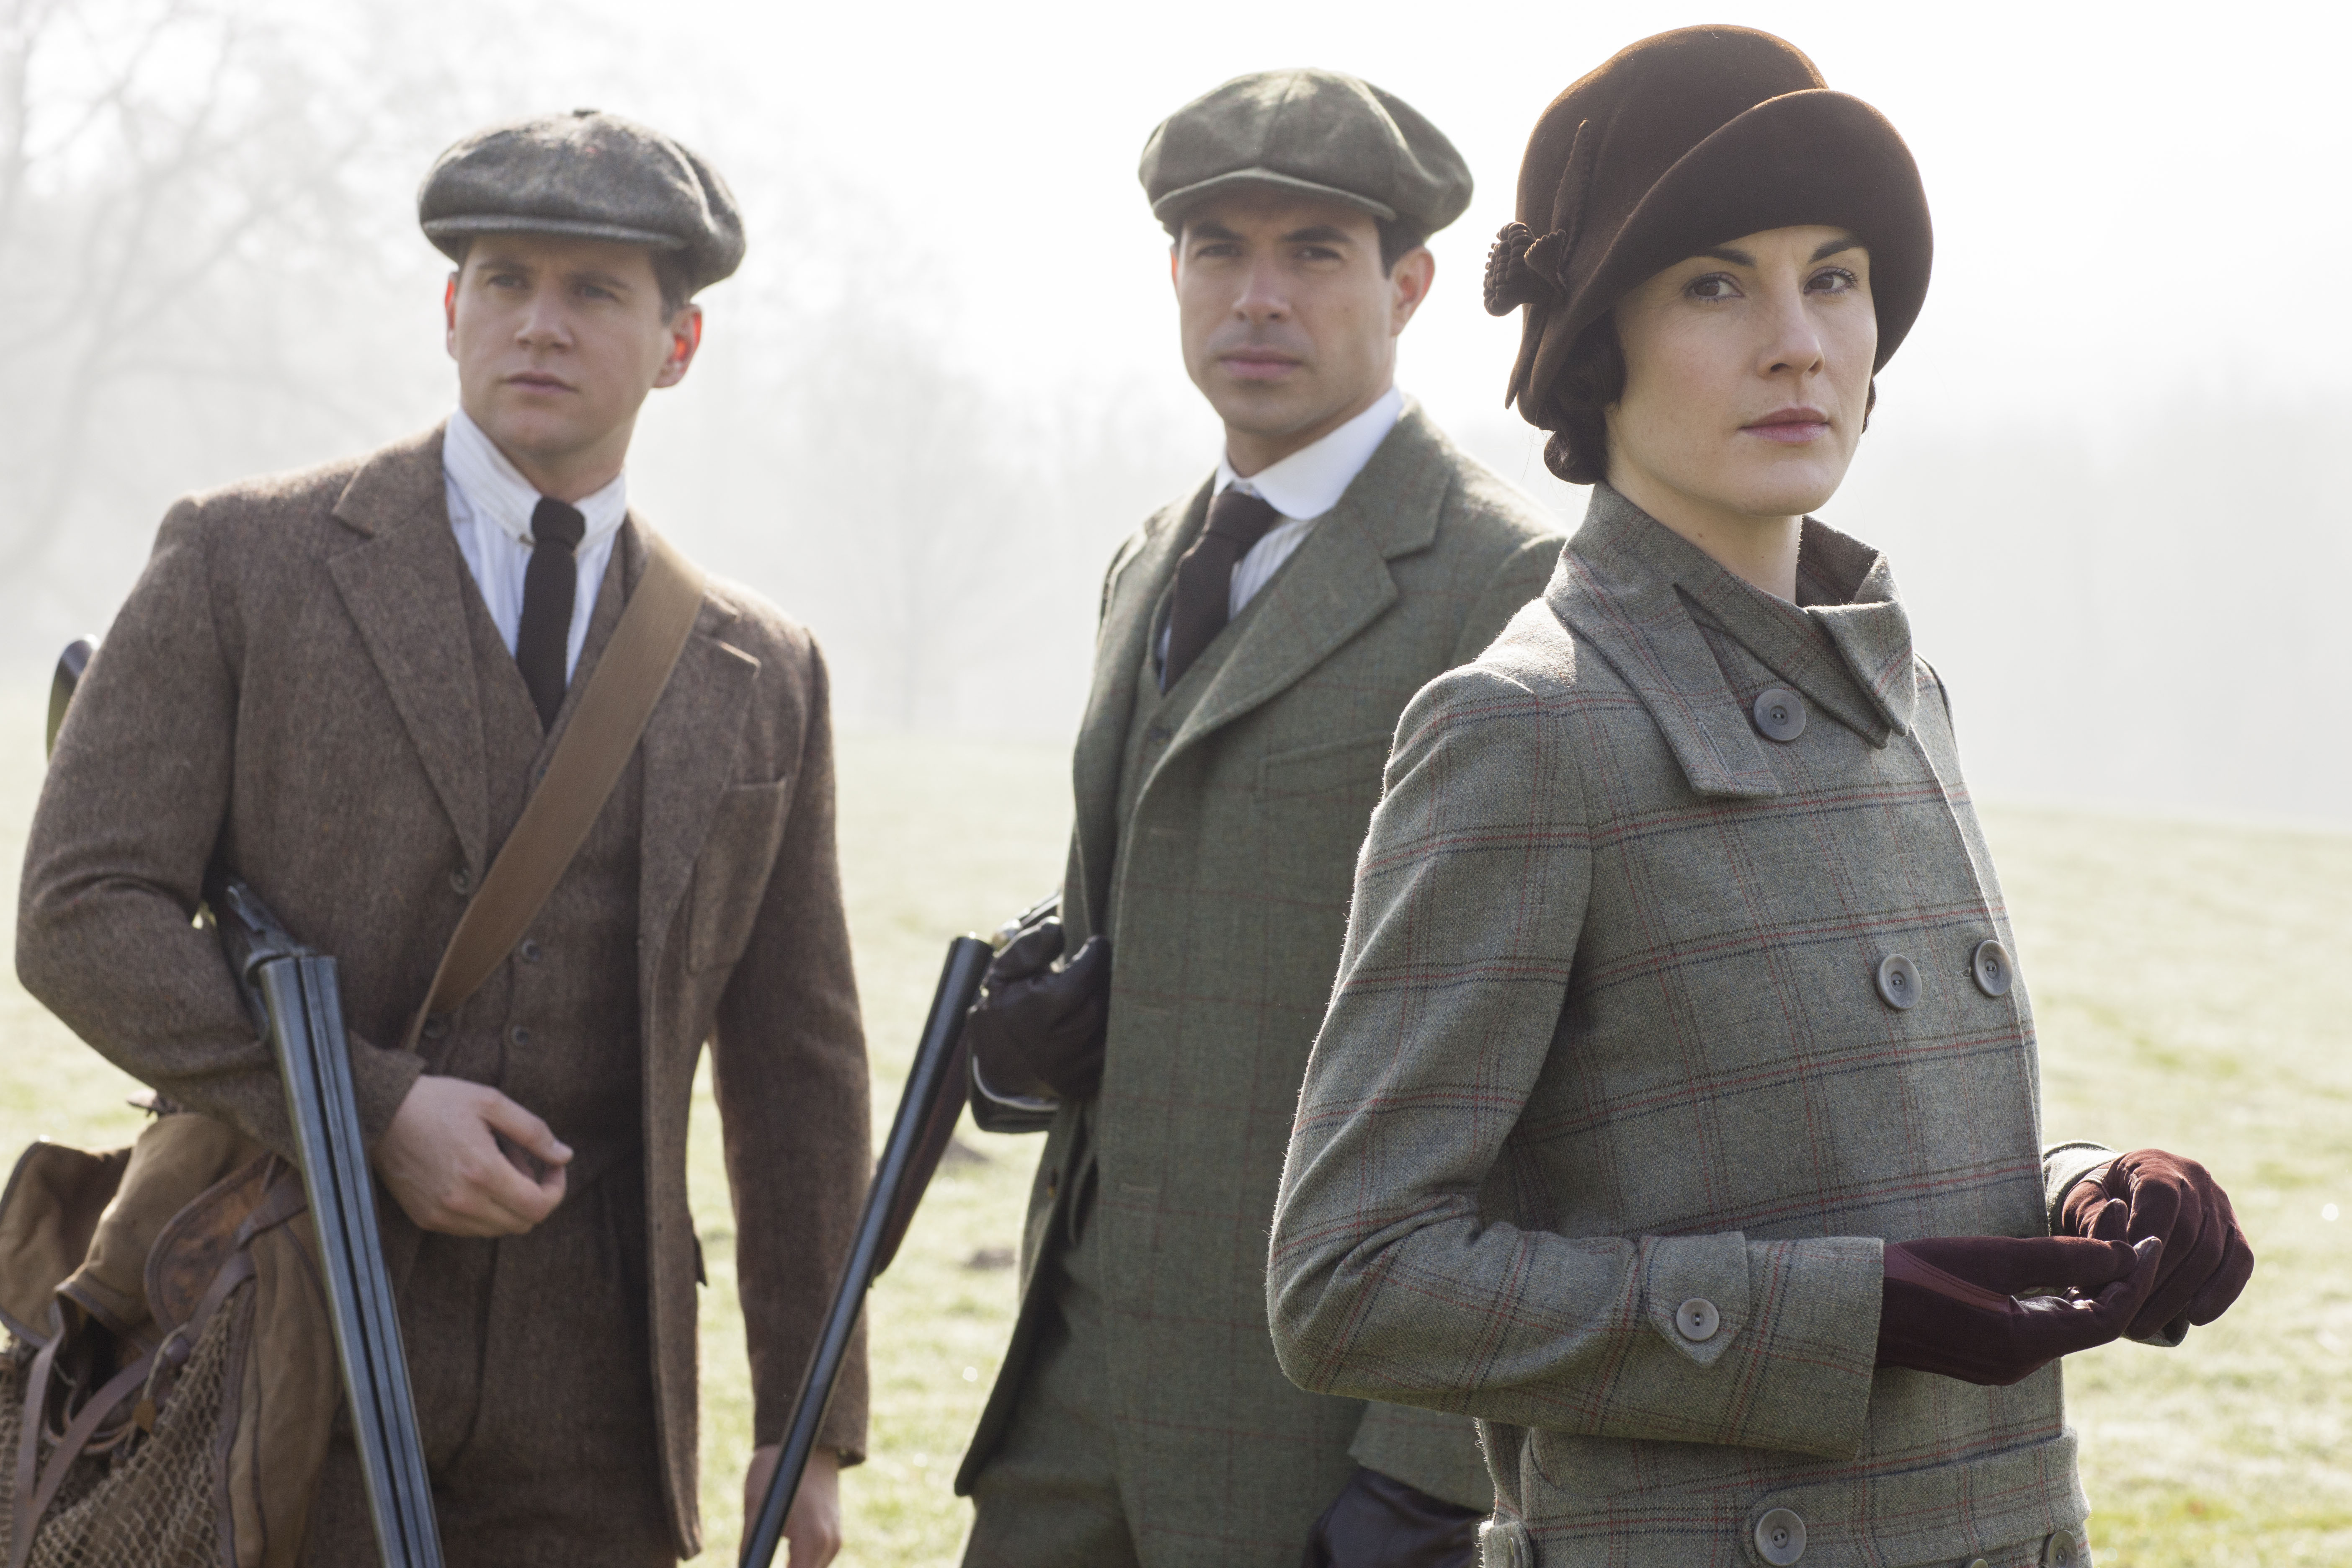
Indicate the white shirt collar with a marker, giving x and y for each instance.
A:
(1310, 481)
(496, 491)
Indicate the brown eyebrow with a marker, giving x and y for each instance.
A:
(1317, 234)
(1210, 231)
(1740, 257)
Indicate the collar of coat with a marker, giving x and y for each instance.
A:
(1638, 591)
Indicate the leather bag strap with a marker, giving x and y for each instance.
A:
(621, 693)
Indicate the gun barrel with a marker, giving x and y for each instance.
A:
(896, 1177)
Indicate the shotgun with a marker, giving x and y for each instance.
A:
(291, 990)
(927, 1108)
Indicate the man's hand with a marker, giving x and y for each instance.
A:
(442, 1162)
(1972, 1308)
(1037, 1030)
(2206, 1259)
(813, 1529)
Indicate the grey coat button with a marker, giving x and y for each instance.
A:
(1898, 980)
(1697, 1320)
(531, 951)
(1780, 1537)
(518, 1035)
(1989, 964)
(436, 1026)
(462, 881)
(1979, 1563)
(2064, 1549)
(1780, 713)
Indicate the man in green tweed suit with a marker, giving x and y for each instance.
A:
(1676, 1113)
(1258, 639)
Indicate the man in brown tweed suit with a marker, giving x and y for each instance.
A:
(342, 685)
(1257, 640)
(1676, 1113)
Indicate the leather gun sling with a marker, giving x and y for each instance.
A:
(619, 698)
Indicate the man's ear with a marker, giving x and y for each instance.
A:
(1408, 282)
(685, 341)
(449, 314)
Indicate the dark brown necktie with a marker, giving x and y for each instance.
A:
(1204, 577)
(547, 586)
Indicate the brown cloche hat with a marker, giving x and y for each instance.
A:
(1683, 142)
(588, 173)
(1316, 133)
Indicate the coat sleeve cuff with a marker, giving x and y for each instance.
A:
(1432, 1452)
(381, 1079)
(1787, 1340)
(2063, 1166)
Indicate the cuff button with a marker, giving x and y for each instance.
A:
(1697, 1320)
(1780, 1537)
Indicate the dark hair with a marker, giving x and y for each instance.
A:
(1576, 408)
(1397, 242)
(671, 276)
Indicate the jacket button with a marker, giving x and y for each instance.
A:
(518, 1035)
(2064, 1551)
(1898, 980)
(1780, 1537)
(1989, 964)
(1697, 1320)
(531, 951)
(436, 1026)
(1979, 1563)
(462, 881)
(1780, 713)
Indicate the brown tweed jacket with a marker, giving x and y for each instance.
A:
(1608, 1040)
(290, 685)
(1224, 891)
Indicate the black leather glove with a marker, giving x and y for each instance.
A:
(2206, 1260)
(1951, 1305)
(1378, 1522)
(1037, 1029)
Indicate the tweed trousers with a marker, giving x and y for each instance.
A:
(1659, 1014)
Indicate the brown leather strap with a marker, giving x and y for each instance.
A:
(612, 712)
(32, 1502)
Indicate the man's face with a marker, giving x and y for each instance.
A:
(558, 341)
(1289, 322)
(1747, 374)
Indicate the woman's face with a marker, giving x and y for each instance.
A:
(1747, 375)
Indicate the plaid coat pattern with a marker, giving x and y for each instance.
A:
(1609, 1041)
(1224, 891)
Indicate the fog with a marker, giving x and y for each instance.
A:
(945, 383)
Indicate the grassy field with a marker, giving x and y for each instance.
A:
(2194, 987)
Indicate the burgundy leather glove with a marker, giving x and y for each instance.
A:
(1952, 1304)
(1037, 1028)
(2206, 1259)
(1378, 1522)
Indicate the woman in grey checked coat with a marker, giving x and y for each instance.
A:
(1676, 1113)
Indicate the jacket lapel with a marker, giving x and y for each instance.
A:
(689, 748)
(1609, 591)
(1338, 581)
(404, 584)
(1137, 582)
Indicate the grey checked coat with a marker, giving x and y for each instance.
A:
(1609, 1043)
(1225, 891)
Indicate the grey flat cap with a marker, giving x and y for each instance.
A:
(1314, 132)
(588, 173)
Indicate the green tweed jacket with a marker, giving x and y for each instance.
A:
(1225, 895)
(1613, 1111)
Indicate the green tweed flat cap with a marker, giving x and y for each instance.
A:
(588, 173)
(1316, 133)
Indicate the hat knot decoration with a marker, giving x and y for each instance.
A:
(1512, 281)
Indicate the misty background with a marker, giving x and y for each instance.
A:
(2107, 464)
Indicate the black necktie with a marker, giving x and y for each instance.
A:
(1204, 577)
(548, 585)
